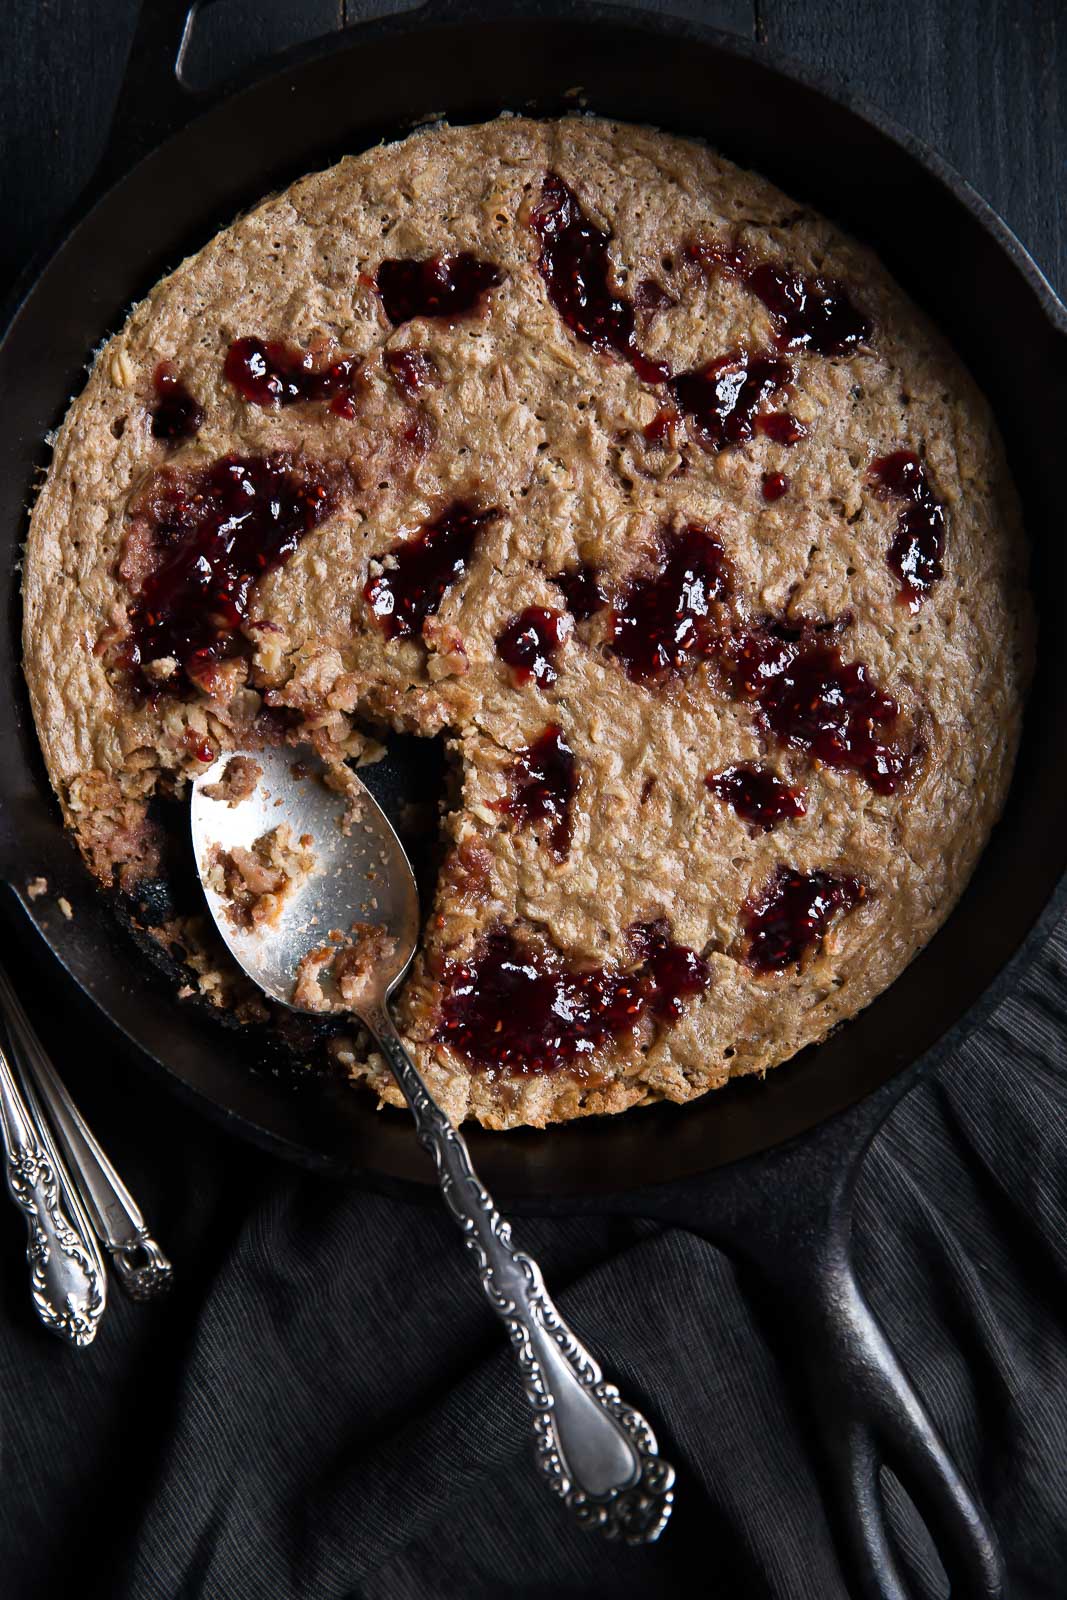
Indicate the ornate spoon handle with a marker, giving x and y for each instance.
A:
(597, 1453)
(143, 1270)
(67, 1278)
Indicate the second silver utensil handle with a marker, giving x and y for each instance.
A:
(67, 1279)
(143, 1270)
(597, 1453)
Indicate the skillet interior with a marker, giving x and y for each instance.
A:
(944, 247)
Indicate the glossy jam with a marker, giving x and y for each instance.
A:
(439, 286)
(520, 1010)
(270, 373)
(176, 414)
(758, 795)
(916, 553)
(411, 370)
(725, 401)
(664, 621)
(217, 532)
(671, 972)
(575, 264)
(543, 785)
(529, 644)
(813, 700)
(581, 590)
(202, 749)
(792, 915)
(423, 568)
(774, 485)
(781, 427)
(809, 313)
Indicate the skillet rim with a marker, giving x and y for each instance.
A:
(619, 19)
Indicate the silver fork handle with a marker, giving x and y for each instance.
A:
(143, 1269)
(67, 1280)
(596, 1452)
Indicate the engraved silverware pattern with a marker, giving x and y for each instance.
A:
(143, 1270)
(68, 1284)
(596, 1452)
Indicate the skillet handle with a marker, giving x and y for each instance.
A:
(869, 1415)
(786, 1217)
(152, 102)
(157, 98)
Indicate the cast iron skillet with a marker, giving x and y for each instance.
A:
(733, 1167)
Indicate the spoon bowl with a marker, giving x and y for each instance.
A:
(361, 872)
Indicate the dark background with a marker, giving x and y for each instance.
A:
(982, 81)
(311, 1415)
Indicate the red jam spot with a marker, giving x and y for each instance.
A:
(218, 531)
(775, 485)
(723, 398)
(663, 621)
(793, 913)
(581, 590)
(270, 373)
(413, 370)
(663, 428)
(521, 1010)
(915, 555)
(198, 747)
(758, 795)
(543, 786)
(418, 434)
(576, 267)
(530, 641)
(671, 971)
(423, 569)
(176, 414)
(782, 427)
(440, 286)
(808, 313)
(814, 701)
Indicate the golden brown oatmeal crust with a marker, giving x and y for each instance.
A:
(523, 417)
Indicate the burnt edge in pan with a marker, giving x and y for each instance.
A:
(910, 1026)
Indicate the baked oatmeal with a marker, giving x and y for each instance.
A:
(642, 486)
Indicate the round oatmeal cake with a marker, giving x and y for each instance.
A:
(641, 485)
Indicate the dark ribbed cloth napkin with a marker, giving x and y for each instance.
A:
(326, 1409)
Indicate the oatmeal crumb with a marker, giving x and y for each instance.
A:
(238, 782)
(161, 669)
(121, 370)
(349, 966)
(256, 883)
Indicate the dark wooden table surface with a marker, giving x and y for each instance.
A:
(983, 81)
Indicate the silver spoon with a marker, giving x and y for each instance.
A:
(597, 1453)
